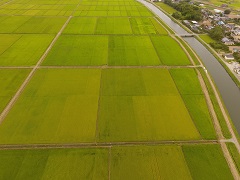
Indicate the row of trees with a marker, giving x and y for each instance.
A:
(185, 10)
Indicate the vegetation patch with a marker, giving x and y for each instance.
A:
(17, 50)
(10, 80)
(141, 105)
(55, 110)
(194, 100)
(79, 50)
(145, 162)
(54, 164)
(47, 25)
(206, 162)
(132, 50)
(169, 51)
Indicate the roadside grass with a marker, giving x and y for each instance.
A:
(206, 162)
(10, 80)
(148, 162)
(131, 50)
(54, 164)
(217, 109)
(194, 100)
(16, 49)
(166, 8)
(235, 154)
(207, 38)
(9, 24)
(142, 105)
(78, 50)
(55, 110)
(169, 51)
(47, 25)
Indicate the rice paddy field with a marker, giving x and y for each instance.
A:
(100, 90)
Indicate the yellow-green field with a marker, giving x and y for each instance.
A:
(100, 90)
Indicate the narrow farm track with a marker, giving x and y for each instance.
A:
(6, 3)
(105, 144)
(100, 67)
(22, 87)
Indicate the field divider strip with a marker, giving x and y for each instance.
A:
(104, 144)
(109, 162)
(6, 3)
(22, 87)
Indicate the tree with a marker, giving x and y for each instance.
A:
(177, 15)
(227, 11)
(217, 33)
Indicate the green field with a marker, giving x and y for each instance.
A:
(54, 109)
(132, 50)
(16, 50)
(79, 50)
(142, 105)
(139, 162)
(10, 80)
(54, 164)
(145, 162)
(169, 51)
(194, 100)
(107, 94)
(206, 162)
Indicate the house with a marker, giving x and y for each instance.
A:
(218, 11)
(228, 57)
(234, 49)
(236, 39)
(220, 23)
(229, 43)
(225, 39)
(236, 32)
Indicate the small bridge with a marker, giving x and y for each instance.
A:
(186, 35)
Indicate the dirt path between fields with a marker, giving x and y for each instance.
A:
(22, 87)
(105, 144)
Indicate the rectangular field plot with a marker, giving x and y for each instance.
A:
(132, 50)
(45, 25)
(169, 51)
(206, 162)
(141, 105)
(57, 106)
(149, 162)
(54, 164)
(146, 26)
(10, 80)
(81, 26)
(113, 26)
(17, 50)
(79, 50)
(194, 100)
(9, 24)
